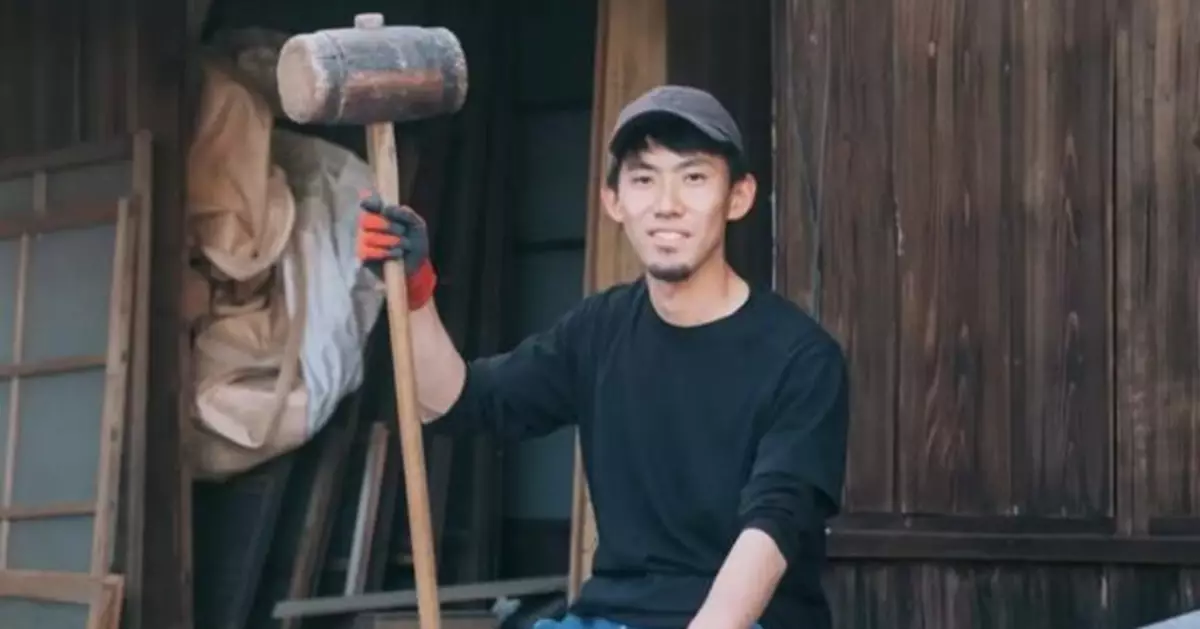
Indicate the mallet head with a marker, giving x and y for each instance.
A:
(366, 75)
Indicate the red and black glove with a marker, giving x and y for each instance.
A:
(392, 232)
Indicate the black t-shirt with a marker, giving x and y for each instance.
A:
(689, 435)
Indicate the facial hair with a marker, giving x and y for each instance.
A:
(671, 274)
(679, 273)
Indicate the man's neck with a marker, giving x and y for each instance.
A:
(713, 292)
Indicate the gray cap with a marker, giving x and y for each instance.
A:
(693, 105)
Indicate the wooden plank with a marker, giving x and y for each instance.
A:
(378, 601)
(116, 377)
(53, 586)
(72, 156)
(995, 524)
(58, 219)
(725, 48)
(366, 518)
(12, 438)
(942, 595)
(955, 262)
(128, 560)
(630, 59)
(836, 211)
(450, 620)
(1158, 269)
(52, 366)
(160, 96)
(992, 548)
(949, 596)
(1002, 168)
(102, 595)
(18, 513)
(326, 491)
(1064, 417)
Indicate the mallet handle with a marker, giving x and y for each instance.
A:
(381, 153)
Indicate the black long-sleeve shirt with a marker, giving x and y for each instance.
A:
(689, 436)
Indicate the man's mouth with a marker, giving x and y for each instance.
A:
(668, 235)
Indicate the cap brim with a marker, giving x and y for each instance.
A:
(620, 131)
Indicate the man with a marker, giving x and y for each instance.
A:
(712, 416)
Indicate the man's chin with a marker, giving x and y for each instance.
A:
(670, 274)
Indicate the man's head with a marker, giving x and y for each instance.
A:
(677, 175)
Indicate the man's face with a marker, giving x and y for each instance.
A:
(674, 208)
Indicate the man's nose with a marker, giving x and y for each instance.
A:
(668, 202)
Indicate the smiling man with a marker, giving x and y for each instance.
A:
(712, 415)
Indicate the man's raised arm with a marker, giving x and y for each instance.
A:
(394, 232)
(529, 391)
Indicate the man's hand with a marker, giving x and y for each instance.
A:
(392, 232)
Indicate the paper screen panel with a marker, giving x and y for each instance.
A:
(57, 451)
(77, 186)
(18, 613)
(61, 544)
(16, 197)
(54, 463)
(49, 600)
(67, 294)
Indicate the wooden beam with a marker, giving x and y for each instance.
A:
(631, 57)
(989, 548)
(383, 601)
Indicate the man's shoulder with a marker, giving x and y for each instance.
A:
(612, 299)
(796, 332)
(593, 314)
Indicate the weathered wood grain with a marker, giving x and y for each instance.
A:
(64, 71)
(1158, 266)
(1002, 185)
(993, 205)
(944, 186)
(724, 47)
(929, 596)
(836, 212)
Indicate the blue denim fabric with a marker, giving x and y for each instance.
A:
(575, 622)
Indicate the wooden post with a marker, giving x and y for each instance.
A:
(631, 57)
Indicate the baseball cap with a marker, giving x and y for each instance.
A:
(694, 105)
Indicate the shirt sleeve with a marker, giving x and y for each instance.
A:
(796, 480)
(527, 392)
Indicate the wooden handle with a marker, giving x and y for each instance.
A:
(381, 153)
(416, 486)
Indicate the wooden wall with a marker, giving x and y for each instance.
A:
(64, 72)
(82, 71)
(992, 204)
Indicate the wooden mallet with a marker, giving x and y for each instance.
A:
(374, 75)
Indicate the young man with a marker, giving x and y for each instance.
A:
(712, 416)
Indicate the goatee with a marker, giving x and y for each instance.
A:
(670, 274)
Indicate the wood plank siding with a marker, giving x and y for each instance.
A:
(992, 204)
(66, 73)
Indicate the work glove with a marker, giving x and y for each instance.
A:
(393, 232)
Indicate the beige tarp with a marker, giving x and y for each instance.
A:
(250, 403)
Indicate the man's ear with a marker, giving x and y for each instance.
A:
(608, 196)
(741, 197)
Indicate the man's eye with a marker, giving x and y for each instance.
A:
(641, 179)
(695, 177)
